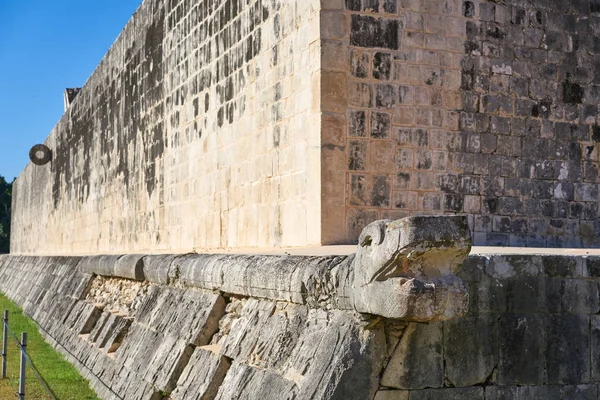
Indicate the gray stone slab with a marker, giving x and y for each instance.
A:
(100, 265)
(568, 349)
(522, 350)
(203, 376)
(595, 348)
(335, 359)
(264, 336)
(580, 296)
(471, 350)
(130, 266)
(248, 383)
(417, 362)
(474, 393)
(550, 392)
(156, 267)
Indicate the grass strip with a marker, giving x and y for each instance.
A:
(62, 377)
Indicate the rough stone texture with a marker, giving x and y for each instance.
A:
(261, 123)
(182, 339)
(405, 269)
(205, 328)
(418, 360)
(200, 128)
(481, 107)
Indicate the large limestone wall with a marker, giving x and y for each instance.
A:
(199, 129)
(480, 107)
(284, 123)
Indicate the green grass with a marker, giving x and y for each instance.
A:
(62, 378)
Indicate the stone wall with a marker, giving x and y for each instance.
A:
(480, 107)
(199, 129)
(273, 326)
(275, 123)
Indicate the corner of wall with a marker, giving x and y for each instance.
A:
(334, 37)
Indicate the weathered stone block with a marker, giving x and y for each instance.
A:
(474, 393)
(392, 395)
(203, 376)
(470, 350)
(568, 349)
(367, 31)
(521, 338)
(417, 362)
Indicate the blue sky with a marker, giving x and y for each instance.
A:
(45, 47)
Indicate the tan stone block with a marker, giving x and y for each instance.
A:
(407, 74)
(404, 116)
(332, 4)
(334, 91)
(333, 195)
(434, 23)
(423, 95)
(426, 56)
(414, 21)
(405, 200)
(452, 79)
(451, 120)
(414, 5)
(360, 94)
(423, 117)
(356, 220)
(333, 25)
(455, 27)
(315, 89)
(451, 100)
(334, 56)
(333, 218)
(333, 129)
(414, 39)
(382, 157)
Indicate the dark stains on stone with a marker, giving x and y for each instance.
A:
(496, 33)
(468, 9)
(572, 92)
(596, 133)
(380, 195)
(367, 31)
(353, 5)
(276, 136)
(359, 64)
(380, 125)
(389, 6)
(358, 184)
(382, 66)
(357, 124)
(357, 155)
(453, 202)
(492, 204)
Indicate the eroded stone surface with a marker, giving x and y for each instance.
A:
(234, 345)
(406, 269)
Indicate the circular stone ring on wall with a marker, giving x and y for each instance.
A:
(40, 154)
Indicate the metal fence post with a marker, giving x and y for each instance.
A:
(4, 343)
(21, 393)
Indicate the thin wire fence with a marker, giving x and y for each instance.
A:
(25, 358)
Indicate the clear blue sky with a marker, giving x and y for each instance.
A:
(45, 47)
